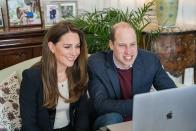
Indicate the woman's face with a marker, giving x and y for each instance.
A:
(66, 50)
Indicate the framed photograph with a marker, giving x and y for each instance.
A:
(24, 13)
(55, 11)
(51, 12)
(1, 19)
(68, 10)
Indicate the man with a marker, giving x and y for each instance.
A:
(117, 75)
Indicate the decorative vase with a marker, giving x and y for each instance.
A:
(166, 11)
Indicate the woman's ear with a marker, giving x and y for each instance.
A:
(51, 46)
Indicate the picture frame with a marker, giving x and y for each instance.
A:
(68, 9)
(51, 12)
(1, 19)
(24, 13)
(55, 11)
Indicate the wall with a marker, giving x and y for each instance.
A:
(90, 5)
(186, 12)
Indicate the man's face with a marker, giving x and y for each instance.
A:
(124, 47)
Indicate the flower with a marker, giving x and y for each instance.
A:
(10, 116)
(6, 90)
(2, 101)
(15, 106)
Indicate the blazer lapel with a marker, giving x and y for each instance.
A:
(72, 112)
(138, 71)
(111, 71)
(52, 114)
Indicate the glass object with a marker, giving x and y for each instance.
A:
(166, 12)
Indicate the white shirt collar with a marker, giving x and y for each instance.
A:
(115, 63)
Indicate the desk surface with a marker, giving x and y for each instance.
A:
(124, 126)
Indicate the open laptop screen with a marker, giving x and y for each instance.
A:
(166, 110)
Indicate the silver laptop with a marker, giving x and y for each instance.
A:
(166, 110)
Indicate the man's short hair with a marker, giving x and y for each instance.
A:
(115, 27)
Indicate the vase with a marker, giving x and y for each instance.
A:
(166, 12)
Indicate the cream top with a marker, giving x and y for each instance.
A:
(62, 109)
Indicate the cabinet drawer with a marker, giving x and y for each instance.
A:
(37, 51)
(14, 56)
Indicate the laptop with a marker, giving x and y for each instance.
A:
(166, 110)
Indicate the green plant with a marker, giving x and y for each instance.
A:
(97, 24)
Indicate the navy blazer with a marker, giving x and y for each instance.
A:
(104, 87)
(35, 117)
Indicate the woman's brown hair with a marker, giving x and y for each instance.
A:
(77, 74)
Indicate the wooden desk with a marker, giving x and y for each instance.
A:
(124, 126)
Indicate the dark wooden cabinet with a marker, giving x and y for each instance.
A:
(19, 46)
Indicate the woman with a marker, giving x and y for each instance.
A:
(24, 15)
(53, 92)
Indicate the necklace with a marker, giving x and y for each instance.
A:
(62, 84)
